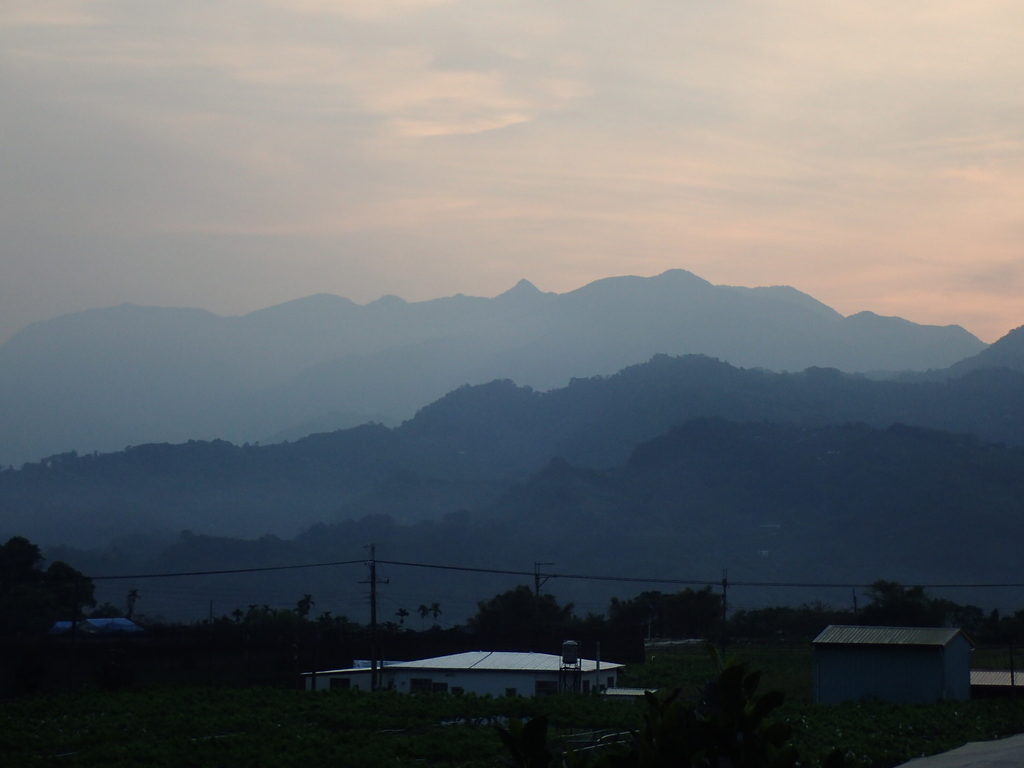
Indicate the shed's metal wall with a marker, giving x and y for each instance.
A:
(958, 669)
(888, 673)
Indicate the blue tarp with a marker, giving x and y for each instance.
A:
(96, 626)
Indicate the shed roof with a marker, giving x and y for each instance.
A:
(504, 661)
(996, 677)
(836, 634)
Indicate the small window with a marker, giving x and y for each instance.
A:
(510, 691)
(546, 687)
(611, 682)
(340, 683)
(421, 685)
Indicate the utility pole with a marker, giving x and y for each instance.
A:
(374, 677)
(854, 602)
(316, 644)
(1013, 677)
(75, 614)
(209, 648)
(538, 640)
(537, 581)
(725, 594)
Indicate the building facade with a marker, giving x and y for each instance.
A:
(493, 673)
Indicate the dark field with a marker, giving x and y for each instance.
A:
(194, 726)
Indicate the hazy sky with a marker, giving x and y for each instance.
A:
(232, 155)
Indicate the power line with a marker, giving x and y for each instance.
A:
(534, 574)
(684, 582)
(468, 569)
(225, 571)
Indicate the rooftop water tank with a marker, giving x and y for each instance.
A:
(570, 652)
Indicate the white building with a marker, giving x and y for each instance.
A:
(495, 673)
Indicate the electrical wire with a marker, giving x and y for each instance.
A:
(226, 571)
(536, 574)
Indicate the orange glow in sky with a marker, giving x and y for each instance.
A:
(235, 155)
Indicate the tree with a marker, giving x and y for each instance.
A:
(692, 613)
(31, 598)
(786, 623)
(894, 605)
(689, 613)
(304, 605)
(402, 614)
(20, 562)
(518, 614)
(641, 612)
(133, 597)
(728, 726)
(435, 611)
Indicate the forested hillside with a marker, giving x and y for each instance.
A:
(835, 504)
(464, 449)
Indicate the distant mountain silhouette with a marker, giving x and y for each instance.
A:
(1007, 352)
(103, 379)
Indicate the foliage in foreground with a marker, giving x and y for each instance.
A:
(880, 735)
(271, 727)
(728, 726)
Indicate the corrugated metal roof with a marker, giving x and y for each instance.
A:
(629, 693)
(836, 634)
(504, 661)
(348, 670)
(500, 660)
(996, 677)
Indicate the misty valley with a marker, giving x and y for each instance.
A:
(673, 468)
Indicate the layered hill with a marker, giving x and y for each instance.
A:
(465, 449)
(103, 379)
(1007, 352)
(771, 503)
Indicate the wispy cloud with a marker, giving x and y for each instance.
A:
(868, 152)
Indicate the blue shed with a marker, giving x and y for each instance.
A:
(899, 664)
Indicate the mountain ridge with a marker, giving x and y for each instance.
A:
(102, 379)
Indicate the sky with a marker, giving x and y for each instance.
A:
(232, 155)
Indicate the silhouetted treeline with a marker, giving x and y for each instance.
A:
(889, 604)
(33, 598)
(258, 644)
